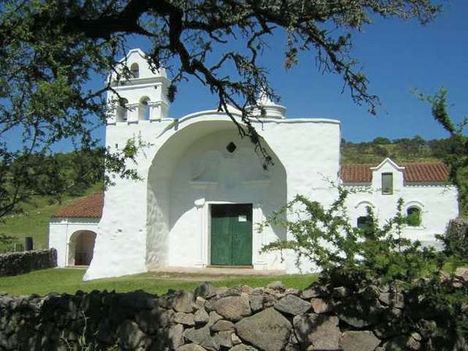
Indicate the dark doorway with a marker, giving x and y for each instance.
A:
(82, 248)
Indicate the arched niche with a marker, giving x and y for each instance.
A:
(364, 204)
(81, 248)
(360, 217)
(122, 110)
(143, 108)
(201, 164)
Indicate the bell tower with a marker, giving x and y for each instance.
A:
(142, 96)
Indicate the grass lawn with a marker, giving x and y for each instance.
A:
(69, 280)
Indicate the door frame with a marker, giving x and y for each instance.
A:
(203, 207)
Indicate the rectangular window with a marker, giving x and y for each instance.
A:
(387, 183)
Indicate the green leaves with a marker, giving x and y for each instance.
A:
(327, 237)
(51, 49)
(455, 152)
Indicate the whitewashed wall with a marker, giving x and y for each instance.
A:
(163, 219)
(438, 203)
(145, 234)
(61, 231)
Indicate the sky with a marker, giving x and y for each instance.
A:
(397, 56)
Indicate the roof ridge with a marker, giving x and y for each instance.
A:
(402, 163)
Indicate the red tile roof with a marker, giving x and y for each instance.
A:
(413, 173)
(85, 207)
(356, 173)
(426, 173)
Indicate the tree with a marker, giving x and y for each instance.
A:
(49, 50)
(359, 264)
(411, 147)
(455, 148)
(381, 141)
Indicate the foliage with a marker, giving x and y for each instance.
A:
(455, 153)
(51, 49)
(402, 150)
(443, 303)
(380, 151)
(326, 237)
(433, 308)
(6, 240)
(381, 140)
(455, 239)
(413, 219)
(363, 268)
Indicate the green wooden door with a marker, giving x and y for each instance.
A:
(231, 235)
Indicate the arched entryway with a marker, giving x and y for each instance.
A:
(203, 168)
(81, 248)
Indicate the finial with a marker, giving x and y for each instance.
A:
(271, 109)
(263, 99)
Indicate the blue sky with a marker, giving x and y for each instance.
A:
(398, 56)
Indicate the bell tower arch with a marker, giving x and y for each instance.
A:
(139, 91)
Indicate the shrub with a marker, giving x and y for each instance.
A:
(363, 268)
(326, 237)
(455, 239)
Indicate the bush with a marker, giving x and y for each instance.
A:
(455, 239)
(365, 268)
(326, 237)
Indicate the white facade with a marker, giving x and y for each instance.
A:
(437, 203)
(64, 234)
(165, 219)
(187, 168)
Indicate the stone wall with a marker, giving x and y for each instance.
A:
(15, 263)
(237, 319)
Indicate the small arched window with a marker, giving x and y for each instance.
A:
(413, 216)
(363, 222)
(122, 110)
(135, 70)
(143, 109)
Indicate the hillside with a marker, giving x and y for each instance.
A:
(34, 219)
(400, 151)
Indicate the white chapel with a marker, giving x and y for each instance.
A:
(203, 190)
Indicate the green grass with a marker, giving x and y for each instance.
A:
(69, 280)
(34, 219)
